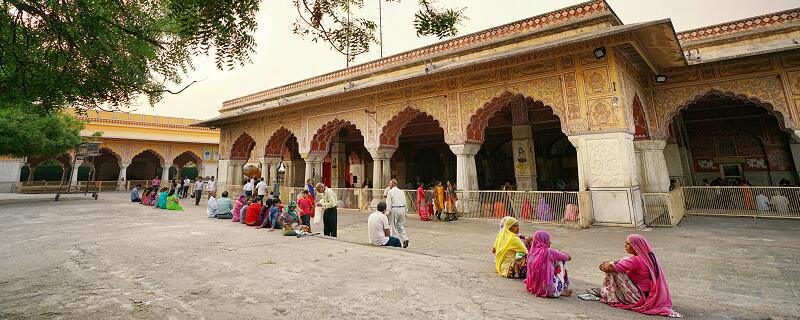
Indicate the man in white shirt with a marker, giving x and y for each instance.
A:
(261, 189)
(186, 184)
(328, 202)
(212, 205)
(396, 202)
(211, 186)
(378, 228)
(198, 190)
(762, 202)
(248, 188)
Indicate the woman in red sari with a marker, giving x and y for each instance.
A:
(422, 204)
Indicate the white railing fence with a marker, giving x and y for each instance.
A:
(743, 201)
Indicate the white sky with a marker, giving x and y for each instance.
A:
(282, 57)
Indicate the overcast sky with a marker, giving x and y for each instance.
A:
(282, 57)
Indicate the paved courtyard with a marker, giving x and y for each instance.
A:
(110, 259)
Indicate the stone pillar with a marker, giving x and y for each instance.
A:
(466, 172)
(264, 168)
(381, 172)
(377, 172)
(123, 172)
(524, 157)
(607, 168)
(165, 172)
(273, 171)
(288, 175)
(314, 167)
(338, 160)
(653, 174)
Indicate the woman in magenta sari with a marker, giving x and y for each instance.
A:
(547, 269)
(636, 283)
(237, 207)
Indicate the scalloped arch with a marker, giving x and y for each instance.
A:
(390, 134)
(321, 141)
(277, 140)
(241, 147)
(480, 119)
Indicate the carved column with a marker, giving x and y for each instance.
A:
(314, 167)
(338, 161)
(524, 157)
(165, 172)
(123, 172)
(466, 172)
(381, 172)
(264, 168)
(653, 172)
(607, 167)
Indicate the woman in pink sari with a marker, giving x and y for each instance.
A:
(636, 283)
(422, 204)
(547, 269)
(236, 208)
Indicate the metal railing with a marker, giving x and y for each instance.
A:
(743, 201)
(663, 209)
(531, 206)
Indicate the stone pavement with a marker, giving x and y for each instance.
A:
(110, 259)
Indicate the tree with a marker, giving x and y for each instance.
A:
(89, 54)
(334, 22)
(31, 135)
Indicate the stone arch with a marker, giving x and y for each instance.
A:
(113, 153)
(277, 141)
(480, 119)
(391, 131)
(153, 152)
(240, 150)
(784, 122)
(186, 157)
(321, 141)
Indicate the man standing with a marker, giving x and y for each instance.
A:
(261, 189)
(276, 189)
(211, 187)
(327, 200)
(186, 183)
(198, 191)
(396, 202)
(378, 228)
(248, 188)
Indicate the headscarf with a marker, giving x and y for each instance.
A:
(505, 243)
(237, 207)
(540, 265)
(658, 301)
(289, 212)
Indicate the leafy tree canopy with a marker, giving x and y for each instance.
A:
(334, 22)
(107, 53)
(90, 53)
(27, 134)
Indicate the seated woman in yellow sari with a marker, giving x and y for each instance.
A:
(510, 251)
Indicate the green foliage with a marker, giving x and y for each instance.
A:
(90, 54)
(334, 22)
(26, 134)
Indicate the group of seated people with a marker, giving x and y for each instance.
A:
(256, 211)
(164, 198)
(634, 283)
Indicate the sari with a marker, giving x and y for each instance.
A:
(510, 252)
(547, 274)
(657, 301)
(543, 211)
(237, 208)
(422, 207)
(450, 203)
(252, 214)
(289, 217)
(173, 204)
(162, 200)
(153, 196)
(438, 195)
(146, 198)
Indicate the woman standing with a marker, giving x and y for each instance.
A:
(422, 203)
(438, 196)
(450, 203)
(364, 201)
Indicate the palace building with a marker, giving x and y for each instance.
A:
(134, 148)
(568, 100)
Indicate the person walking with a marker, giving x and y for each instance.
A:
(276, 189)
(261, 189)
(396, 203)
(211, 186)
(186, 184)
(327, 200)
(198, 191)
(248, 188)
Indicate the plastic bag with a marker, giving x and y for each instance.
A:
(318, 216)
